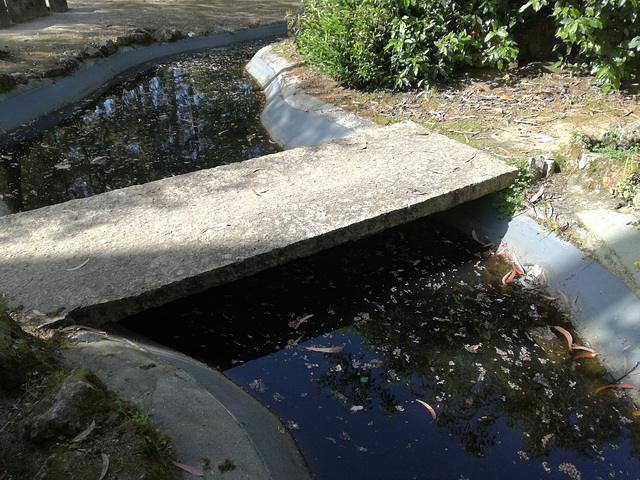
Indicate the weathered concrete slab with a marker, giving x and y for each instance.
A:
(100, 259)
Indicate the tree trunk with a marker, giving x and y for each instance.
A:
(23, 10)
(58, 6)
(5, 19)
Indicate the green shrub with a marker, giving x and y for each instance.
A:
(411, 43)
(404, 43)
(600, 37)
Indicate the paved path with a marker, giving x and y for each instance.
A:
(103, 258)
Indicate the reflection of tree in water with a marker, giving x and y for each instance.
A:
(479, 356)
(194, 114)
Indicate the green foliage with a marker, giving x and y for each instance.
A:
(600, 37)
(513, 198)
(627, 187)
(404, 43)
(412, 43)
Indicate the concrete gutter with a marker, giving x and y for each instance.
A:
(208, 417)
(44, 107)
(292, 117)
(605, 312)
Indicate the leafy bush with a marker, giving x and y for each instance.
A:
(409, 43)
(601, 37)
(402, 43)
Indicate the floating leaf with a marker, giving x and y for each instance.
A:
(433, 412)
(302, 320)
(567, 336)
(619, 385)
(336, 349)
(585, 355)
(105, 466)
(189, 469)
(516, 264)
(587, 349)
(508, 277)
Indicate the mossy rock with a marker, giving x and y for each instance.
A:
(20, 353)
(69, 406)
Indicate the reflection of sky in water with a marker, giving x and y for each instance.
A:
(346, 442)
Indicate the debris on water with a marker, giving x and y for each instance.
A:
(570, 470)
(258, 386)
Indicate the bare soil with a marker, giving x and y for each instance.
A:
(54, 45)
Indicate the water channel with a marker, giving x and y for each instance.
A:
(200, 112)
(344, 346)
(404, 355)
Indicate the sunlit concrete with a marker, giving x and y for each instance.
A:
(102, 258)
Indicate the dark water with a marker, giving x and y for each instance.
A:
(197, 113)
(416, 313)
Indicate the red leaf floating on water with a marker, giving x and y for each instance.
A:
(619, 385)
(508, 277)
(567, 336)
(433, 412)
(303, 319)
(516, 264)
(585, 355)
(587, 349)
(189, 469)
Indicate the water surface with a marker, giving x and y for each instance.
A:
(416, 314)
(200, 112)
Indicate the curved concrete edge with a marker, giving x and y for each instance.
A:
(206, 415)
(603, 310)
(292, 117)
(45, 106)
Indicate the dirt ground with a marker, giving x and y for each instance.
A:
(47, 47)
